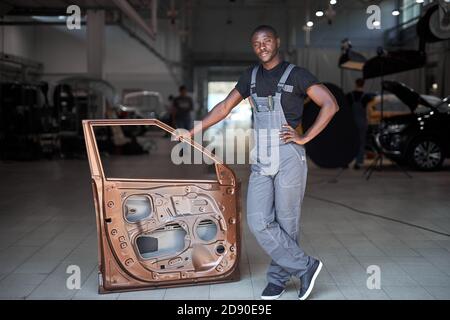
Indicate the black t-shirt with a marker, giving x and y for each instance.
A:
(266, 84)
(183, 105)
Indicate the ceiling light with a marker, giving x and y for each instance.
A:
(319, 13)
(395, 12)
(376, 23)
(333, 1)
(309, 24)
(419, 1)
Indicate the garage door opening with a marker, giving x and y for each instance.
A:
(240, 118)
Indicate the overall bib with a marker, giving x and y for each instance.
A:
(276, 187)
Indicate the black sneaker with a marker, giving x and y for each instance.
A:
(308, 279)
(272, 292)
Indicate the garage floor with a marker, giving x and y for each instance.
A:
(47, 223)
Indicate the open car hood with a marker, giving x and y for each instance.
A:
(406, 95)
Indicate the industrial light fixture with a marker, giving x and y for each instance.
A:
(319, 13)
(419, 1)
(395, 12)
(350, 59)
(333, 2)
(309, 24)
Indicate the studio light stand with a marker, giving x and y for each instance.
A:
(377, 163)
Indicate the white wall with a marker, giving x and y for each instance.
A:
(127, 64)
(62, 52)
(18, 41)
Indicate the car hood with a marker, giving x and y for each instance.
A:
(406, 95)
(400, 119)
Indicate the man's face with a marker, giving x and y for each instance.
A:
(265, 45)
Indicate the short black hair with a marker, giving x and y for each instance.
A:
(359, 82)
(267, 28)
(182, 87)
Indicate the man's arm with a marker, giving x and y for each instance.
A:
(219, 112)
(328, 107)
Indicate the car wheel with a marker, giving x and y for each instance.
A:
(426, 154)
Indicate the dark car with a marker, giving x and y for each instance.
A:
(421, 138)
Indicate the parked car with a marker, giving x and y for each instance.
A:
(420, 138)
(392, 106)
(141, 105)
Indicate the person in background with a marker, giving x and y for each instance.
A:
(358, 100)
(183, 106)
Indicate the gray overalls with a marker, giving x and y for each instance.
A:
(276, 187)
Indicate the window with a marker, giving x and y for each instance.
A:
(411, 12)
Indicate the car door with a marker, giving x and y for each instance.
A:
(156, 233)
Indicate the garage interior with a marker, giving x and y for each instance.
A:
(127, 58)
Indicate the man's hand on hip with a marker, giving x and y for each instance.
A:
(288, 134)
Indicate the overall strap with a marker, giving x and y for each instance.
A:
(284, 77)
(253, 80)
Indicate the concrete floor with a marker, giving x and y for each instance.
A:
(47, 223)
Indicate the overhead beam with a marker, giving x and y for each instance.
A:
(131, 13)
(56, 11)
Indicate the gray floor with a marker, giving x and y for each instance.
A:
(47, 223)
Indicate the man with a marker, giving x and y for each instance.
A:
(183, 106)
(275, 192)
(358, 101)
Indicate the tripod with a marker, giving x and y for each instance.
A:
(378, 161)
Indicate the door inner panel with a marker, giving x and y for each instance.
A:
(164, 233)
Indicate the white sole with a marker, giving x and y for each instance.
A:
(272, 297)
(311, 285)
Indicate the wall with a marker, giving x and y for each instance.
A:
(350, 22)
(232, 41)
(288, 17)
(18, 41)
(127, 63)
